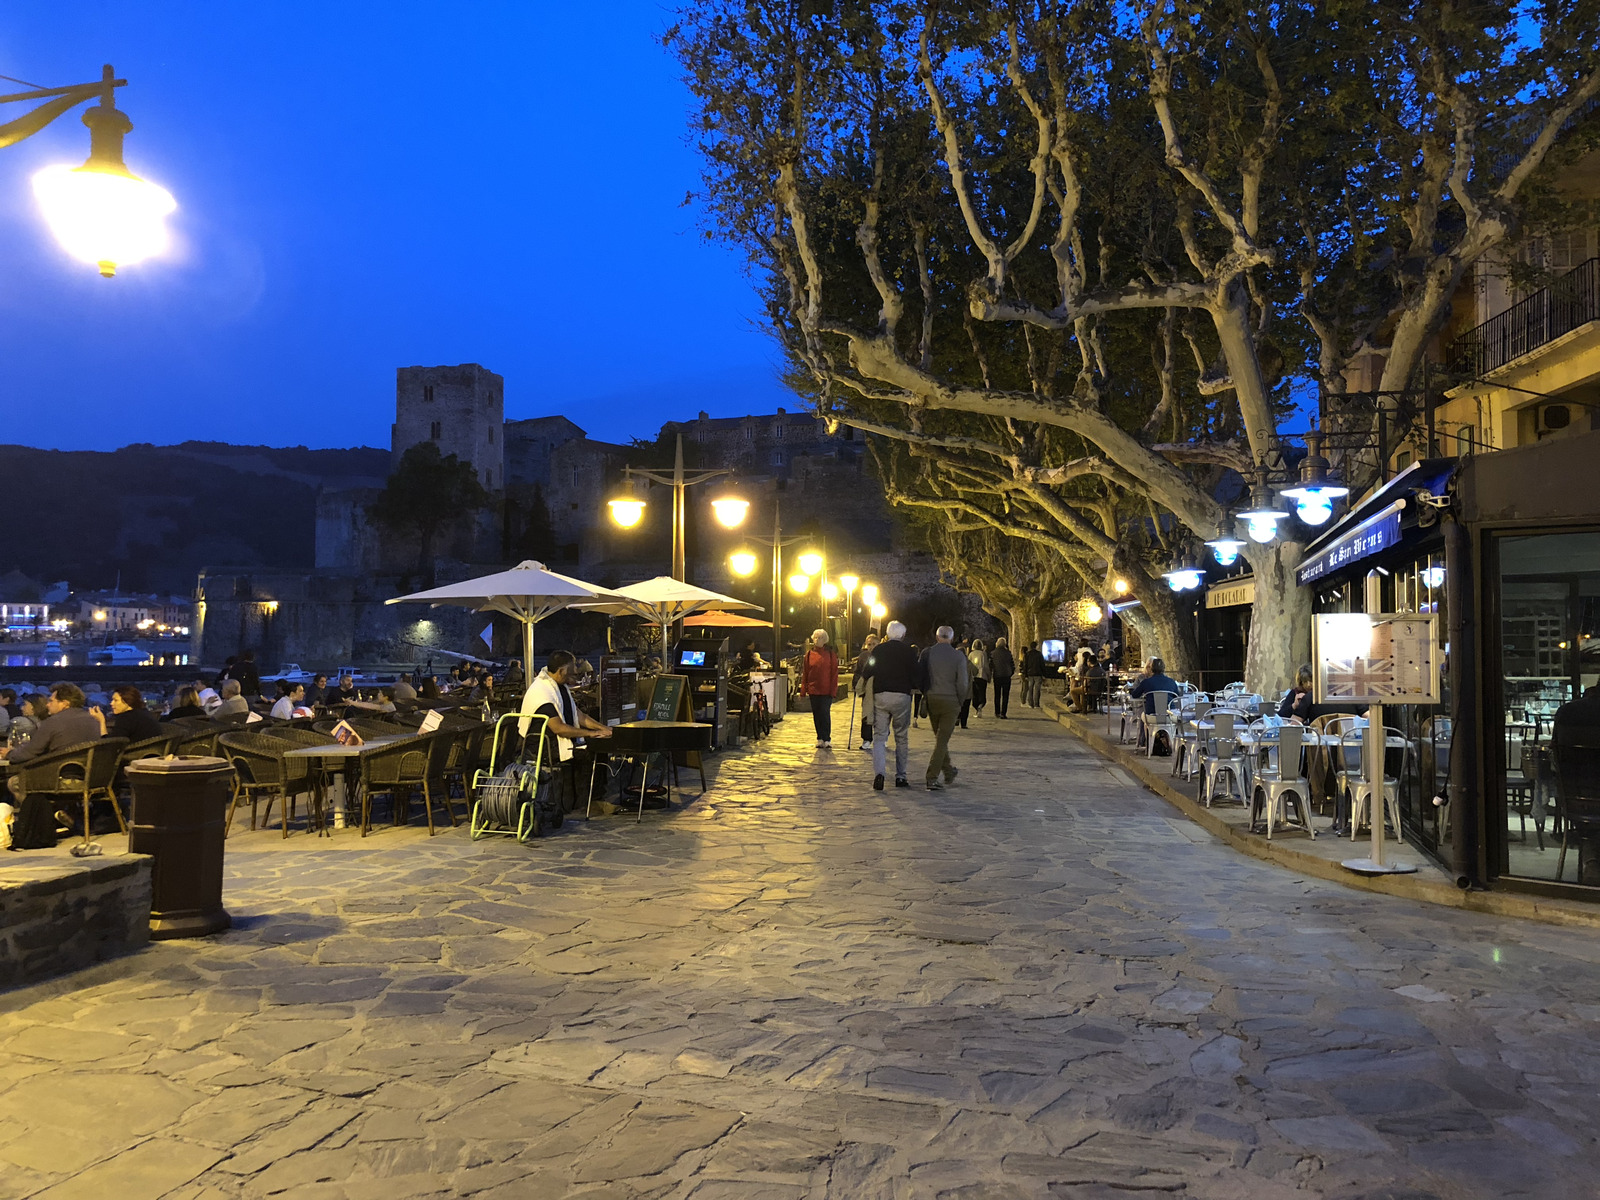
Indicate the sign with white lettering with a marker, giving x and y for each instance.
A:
(1371, 536)
(1375, 658)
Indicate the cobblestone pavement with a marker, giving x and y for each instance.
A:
(1039, 983)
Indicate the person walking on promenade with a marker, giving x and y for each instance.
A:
(946, 678)
(891, 674)
(1032, 675)
(861, 685)
(981, 670)
(1003, 666)
(819, 679)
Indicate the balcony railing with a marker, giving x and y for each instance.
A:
(1571, 301)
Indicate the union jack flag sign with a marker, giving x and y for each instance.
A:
(1359, 677)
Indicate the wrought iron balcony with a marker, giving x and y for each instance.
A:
(1572, 300)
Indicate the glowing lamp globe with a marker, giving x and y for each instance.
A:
(1184, 579)
(811, 563)
(626, 511)
(1226, 550)
(743, 563)
(1089, 612)
(1262, 529)
(830, 591)
(849, 582)
(1314, 505)
(869, 594)
(1432, 576)
(879, 612)
(799, 582)
(1120, 587)
(730, 511)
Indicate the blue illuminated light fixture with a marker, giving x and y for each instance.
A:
(1432, 576)
(1262, 516)
(1184, 576)
(1225, 546)
(1315, 493)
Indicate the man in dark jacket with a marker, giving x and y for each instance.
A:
(1004, 665)
(1032, 675)
(892, 667)
(69, 724)
(248, 675)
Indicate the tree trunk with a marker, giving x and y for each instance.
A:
(1171, 631)
(1280, 619)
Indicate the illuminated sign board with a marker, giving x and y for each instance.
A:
(1373, 535)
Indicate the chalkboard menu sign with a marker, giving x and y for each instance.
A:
(666, 698)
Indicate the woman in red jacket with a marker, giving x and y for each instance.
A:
(819, 679)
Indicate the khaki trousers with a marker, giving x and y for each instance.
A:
(942, 719)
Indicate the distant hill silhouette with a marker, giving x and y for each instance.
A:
(158, 514)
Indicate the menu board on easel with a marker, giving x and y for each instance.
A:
(1376, 658)
(669, 699)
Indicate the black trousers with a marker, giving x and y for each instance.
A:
(1002, 694)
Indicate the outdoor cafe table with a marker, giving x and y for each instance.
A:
(344, 753)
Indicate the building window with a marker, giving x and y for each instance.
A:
(488, 477)
(427, 393)
(438, 428)
(777, 458)
(491, 435)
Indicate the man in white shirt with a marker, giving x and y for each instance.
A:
(550, 695)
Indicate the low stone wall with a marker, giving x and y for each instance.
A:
(60, 914)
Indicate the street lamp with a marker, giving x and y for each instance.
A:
(1226, 548)
(799, 583)
(100, 212)
(1315, 493)
(730, 510)
(810, 562)
(627, 509)
(849, 582)
(869, 594)
(743, 563)
(1184, 576)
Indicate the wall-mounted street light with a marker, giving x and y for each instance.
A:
(101, 212)
(1262, 515)
(1184, 576)
(1316, 491)
(1226, 548)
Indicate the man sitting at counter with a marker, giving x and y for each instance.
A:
(550, 696)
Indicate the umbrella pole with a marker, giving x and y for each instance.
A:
(527, 650)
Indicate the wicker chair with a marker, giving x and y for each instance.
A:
(466, 754)
(398, 770)
(85, 771)
(264, 770)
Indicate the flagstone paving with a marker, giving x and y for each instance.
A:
(1039, 983)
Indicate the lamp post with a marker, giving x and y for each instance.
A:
(101, 212)
(743, 564)
(627, 508)
(850, 582)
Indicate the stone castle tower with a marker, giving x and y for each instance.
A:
(460, 409)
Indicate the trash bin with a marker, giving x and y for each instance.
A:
(180, 810)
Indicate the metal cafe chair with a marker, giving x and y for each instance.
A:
(84, 772)
(1160, 719)
(1280, 782)
(1186, 754)
(1223, 757)
(1360, 789)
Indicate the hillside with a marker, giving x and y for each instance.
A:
(158, 514)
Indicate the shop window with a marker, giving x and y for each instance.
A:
(1543, 735)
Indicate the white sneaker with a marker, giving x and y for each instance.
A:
(827, 745)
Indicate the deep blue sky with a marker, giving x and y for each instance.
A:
(363, 186)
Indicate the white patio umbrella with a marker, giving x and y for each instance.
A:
(664, 600)
(529, 591)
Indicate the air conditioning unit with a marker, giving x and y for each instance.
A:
(1550, 418)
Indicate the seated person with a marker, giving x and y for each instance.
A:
(403, 692)
(185, 704)
(209, 701)
(290, 697)
(345, 693)
(130, 718)
(233, 702)
(750, 659)
(34, 711)
(1155, 680)
(514, 678)
(68, 724)
(317, 693)
(428, 689)
(550, 695)
(1297, 706)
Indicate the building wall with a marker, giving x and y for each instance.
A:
(460, 409)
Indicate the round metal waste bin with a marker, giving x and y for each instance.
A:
(180, 810)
